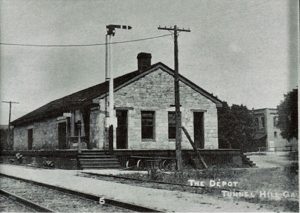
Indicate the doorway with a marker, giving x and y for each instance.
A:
(199, 129)
(122, 129)
(30, 138)
(62, 135)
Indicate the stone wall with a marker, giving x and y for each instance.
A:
(44, 135)
(155, 92)
(62, 159)
(20, 138)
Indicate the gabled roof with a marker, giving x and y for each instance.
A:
(84, 98)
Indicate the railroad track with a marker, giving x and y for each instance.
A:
(46, 198)
(9, 204)
(24, 202)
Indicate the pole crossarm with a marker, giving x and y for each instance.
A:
(13, 102)
(173, 28)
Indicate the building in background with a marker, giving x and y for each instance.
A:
(268, 135)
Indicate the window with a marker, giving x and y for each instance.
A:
(275, 121)
(172, 125)
(148, 124)
(262, 122)
(275, 134)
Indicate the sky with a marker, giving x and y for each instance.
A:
(245, 52)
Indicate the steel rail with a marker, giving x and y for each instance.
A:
(25, 202)
(110, 201)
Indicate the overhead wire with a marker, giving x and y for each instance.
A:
(227, 14)
(81, 45)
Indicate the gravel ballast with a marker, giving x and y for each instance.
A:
(54, 199)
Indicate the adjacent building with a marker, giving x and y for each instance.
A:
(267, 132)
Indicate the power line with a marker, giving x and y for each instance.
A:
(81, 45)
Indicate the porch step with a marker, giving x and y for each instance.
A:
(94, 156)
(100, 167)
(97, 159)
(107, 165)
(89, 151)
(247, 160)
(100, 162)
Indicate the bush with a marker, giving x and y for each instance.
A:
(19, 157)
(292, 169)
(48, 163)
(154, 174)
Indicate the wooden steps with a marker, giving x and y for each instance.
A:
(97, 159)
(247, 160)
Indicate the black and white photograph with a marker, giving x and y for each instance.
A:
(149, 105)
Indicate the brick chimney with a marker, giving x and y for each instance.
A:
(143, 61)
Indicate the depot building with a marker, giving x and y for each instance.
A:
(144, 107)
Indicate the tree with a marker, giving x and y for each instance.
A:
(236, 127)
(224, 116)
(288, 115)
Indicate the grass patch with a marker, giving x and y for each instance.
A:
(281, 181)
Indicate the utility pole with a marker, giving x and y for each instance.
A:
(177, 93)
(9, 119)
(110, 121)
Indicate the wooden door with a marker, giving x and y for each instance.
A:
(62, 135)
(30, 138)
(122, 129)
(199, 129)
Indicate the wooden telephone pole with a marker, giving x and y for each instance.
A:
(177, 94)
(9, 119)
